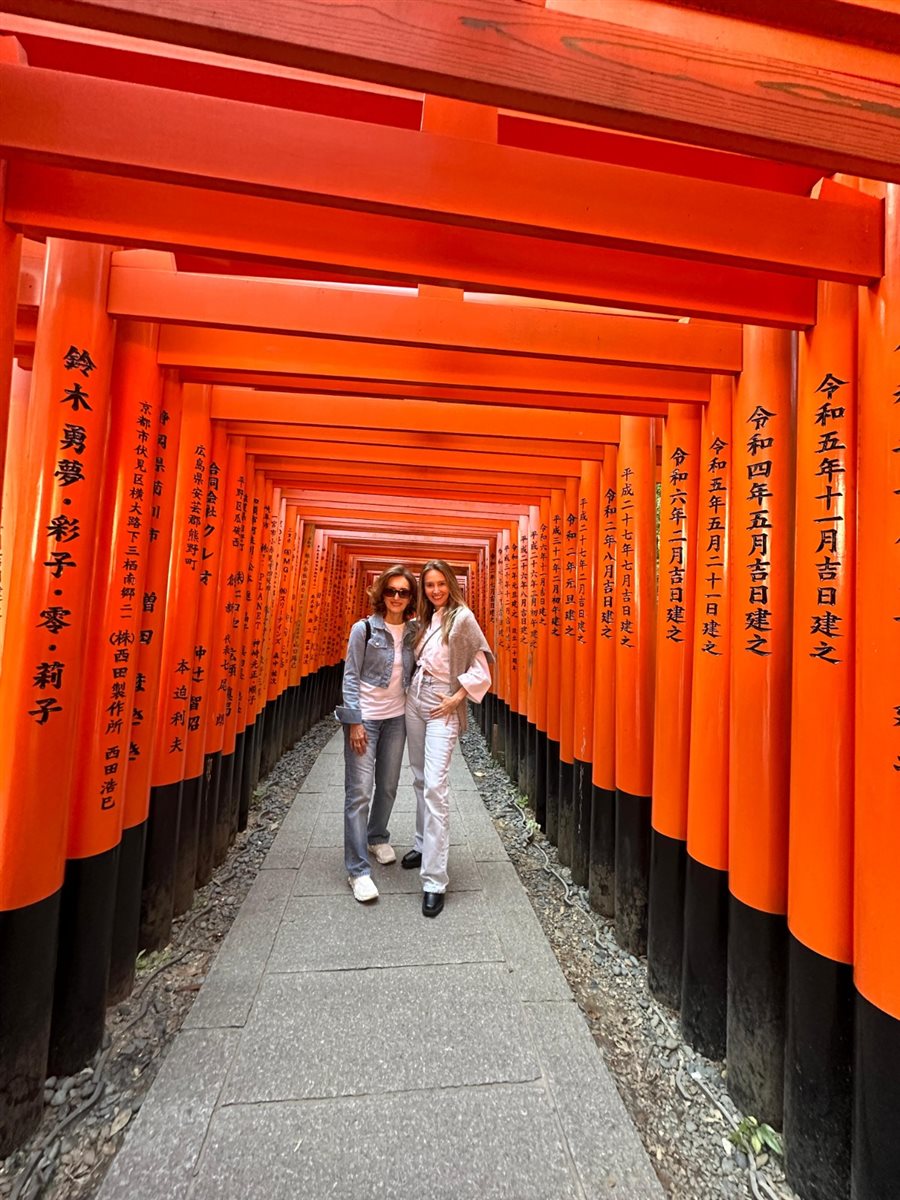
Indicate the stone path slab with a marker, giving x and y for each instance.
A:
(342, 1050)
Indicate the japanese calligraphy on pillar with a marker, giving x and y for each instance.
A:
(830, 451)
(556, 607)
(63, 532)
(513, 593)
(608, 559)
(677, 541)
(534, 584)
(570, 598)
(583, 534)
(714, 542)
(626, 503)
(759, 531)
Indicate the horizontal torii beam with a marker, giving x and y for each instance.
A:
(329, 412)
(439, 319)
(267, 354)
(510, 55)
(224, 145)
(42, 199)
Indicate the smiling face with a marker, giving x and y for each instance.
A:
(436, 588)
(395, 606)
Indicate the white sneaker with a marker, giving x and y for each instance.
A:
(363, 888)
(383, 853)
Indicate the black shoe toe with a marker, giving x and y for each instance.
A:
(432, 903)
(412, 858)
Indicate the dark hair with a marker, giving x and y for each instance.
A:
(455, 599)
(376, 591)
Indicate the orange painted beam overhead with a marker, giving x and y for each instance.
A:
(518, 56)
(284, 466)
(364, 413)
(337, 392)
(424, 456)
(406, 440)
(43, 199)
(221, 350)
(101, 125)
(437, 320)
(357, 484)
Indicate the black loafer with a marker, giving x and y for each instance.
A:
(412, 858)
(432, 903)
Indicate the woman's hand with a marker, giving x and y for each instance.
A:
(449, 704)
(358, 739)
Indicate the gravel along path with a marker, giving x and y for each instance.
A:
(676, 1098)
(86, 1115)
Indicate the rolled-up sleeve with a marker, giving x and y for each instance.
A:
(350, 713)
(477, 680)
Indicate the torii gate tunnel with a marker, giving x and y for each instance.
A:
(569, 294)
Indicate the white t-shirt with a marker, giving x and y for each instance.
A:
(377, 703)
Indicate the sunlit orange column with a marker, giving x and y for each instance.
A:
(524, 615)
(569, 618)
(512, 723)
(531, 732)
(19, 398)
(681, 470)
(819, 1049)
(759, 765)
(501, 648)
(183, 594)
(59, 475)
(554, 657)
(585, 636)
(602, 873)
(876, 881)
(158, 807)
(635, 674)
(706, 904)
(296, 672)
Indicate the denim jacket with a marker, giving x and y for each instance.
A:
(372, 662)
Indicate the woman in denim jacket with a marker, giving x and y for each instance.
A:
(378, 666)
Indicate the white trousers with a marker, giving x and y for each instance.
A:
(430, 742)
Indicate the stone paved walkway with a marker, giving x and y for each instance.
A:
(341, 1050)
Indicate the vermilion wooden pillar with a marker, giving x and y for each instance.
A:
(568, 615)
(534, 516)
(512, 724)
(501, 607)
(554, 659)
(59, 479)
(681, 471)
(635, 673)
(541, 681)
(157, 807)
(762, 565)
(706, 904)
(603, 768)
(10, 257)
(585, 632)
(524, 614)
(100, 769)
(20, 394)
(819, 1050)
(876, 1146)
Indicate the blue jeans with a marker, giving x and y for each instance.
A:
(376, 771)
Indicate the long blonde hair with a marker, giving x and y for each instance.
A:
(455, 600)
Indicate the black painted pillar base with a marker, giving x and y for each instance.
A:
(27, 966)
(188, 839)
(126, 913)
(876, 1103)
(160, 859)
(581, 817)
(82, 961)
(704, 980)
(602, 867)
(209, 807)
(225, 807)
(512, 744)
(498, 746)
(665, 922)
(247, 781)
(526, 781)
(632, 870)
(522, 742)
(552, 789)
(757, 986)
(566, 811)
(818, 1073)
(539, 799)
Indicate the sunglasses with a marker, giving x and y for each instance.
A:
(396, 593)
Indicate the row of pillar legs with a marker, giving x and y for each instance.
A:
(74, 953)
(805, 1050)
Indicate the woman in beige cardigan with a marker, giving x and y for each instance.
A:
(453, 666)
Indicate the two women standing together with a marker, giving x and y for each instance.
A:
(407, 679)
